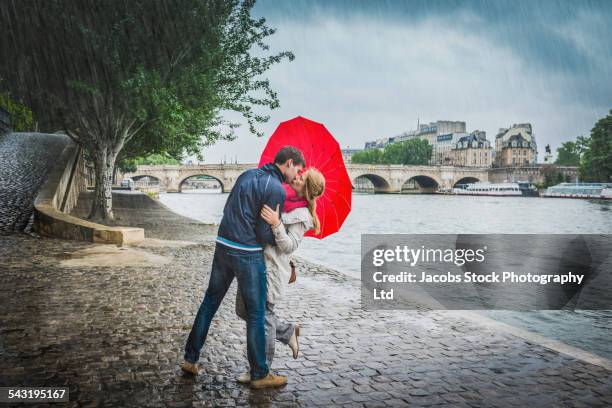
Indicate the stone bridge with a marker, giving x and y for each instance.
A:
(393, 178)
(385, 178)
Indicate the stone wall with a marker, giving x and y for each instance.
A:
(72, 183)
(59, 195)
(531, 174)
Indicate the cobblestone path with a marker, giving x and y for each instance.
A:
(114, 335)
(25, 161)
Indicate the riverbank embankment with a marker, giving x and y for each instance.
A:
(110, 322)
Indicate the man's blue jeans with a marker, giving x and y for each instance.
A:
(249, 268)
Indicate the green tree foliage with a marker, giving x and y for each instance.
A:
(21, 115)
(412, 151)
(552, 176)
(568, 154)
(130, 78)
(394, 153)
(596, 161)
(368, 156)
(131, 165)
(416, 151)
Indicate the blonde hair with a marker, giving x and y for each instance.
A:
(314, 186)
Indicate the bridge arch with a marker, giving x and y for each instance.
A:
(380, 184)
(422, 183)
(182, 181)
(466, 180)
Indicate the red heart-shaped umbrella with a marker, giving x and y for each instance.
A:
(323, 152)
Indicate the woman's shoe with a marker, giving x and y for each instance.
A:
(293, 341)
(244, 378)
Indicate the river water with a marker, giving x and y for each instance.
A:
(445, 214)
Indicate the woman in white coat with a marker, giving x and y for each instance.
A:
(299, 215)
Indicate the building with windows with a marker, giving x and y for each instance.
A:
(515, 146)
(473, 150)
(516, 151)
(442, 135)
(348, 153)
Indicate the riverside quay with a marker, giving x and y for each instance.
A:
(107, 319)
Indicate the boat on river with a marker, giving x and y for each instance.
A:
(488, 189)
(601, 191)
(519, 188)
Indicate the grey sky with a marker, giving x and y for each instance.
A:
(370, 69)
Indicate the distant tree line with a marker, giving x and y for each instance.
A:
(412, 151)
(592, 154)
(552, 176)
(130, 165)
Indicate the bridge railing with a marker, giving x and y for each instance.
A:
(145, 183)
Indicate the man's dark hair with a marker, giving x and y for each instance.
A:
(290, 152)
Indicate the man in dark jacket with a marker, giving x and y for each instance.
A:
(239, 247)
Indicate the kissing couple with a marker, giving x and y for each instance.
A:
(264, 220)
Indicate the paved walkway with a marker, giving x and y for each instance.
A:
(111, 323)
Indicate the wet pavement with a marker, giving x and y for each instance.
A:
(114, 334)
(25, 160)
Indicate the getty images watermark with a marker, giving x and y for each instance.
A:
(486, 271)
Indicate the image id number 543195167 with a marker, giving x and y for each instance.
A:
(34, 394)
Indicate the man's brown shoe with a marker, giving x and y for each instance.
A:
(270, 380)
(191, 368)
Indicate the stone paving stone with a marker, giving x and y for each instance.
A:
(115, 336)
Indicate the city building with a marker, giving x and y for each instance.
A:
(348, 153)
(473, 150)
(515, 146)
(442, 135)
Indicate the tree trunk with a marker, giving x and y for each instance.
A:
(115, 168)
(102, 205)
